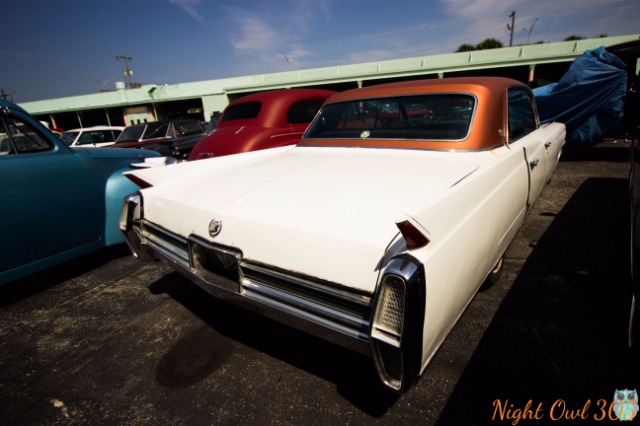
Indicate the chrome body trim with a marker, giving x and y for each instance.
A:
(326, 310)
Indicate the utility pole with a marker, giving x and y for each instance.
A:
(5, 95)
(530, 31)
(127, 72)
(512, 26)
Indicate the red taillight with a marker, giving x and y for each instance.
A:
(414, 238)
(138, 181)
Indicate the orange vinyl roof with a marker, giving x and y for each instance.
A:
(487, 130)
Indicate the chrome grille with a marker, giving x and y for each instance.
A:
(315, 300)
(325, 304)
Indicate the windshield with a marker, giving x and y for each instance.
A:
(69, 137)
(132, 133)
(422, 117)
(156, 130)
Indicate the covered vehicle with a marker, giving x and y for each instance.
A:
(57, 202)
(588, 99)
(376, 230)
(259, 121)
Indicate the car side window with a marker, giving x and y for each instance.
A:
(522, 119)
(189, 128)
(303, 111)
(86, 138)
(242, 111)
(18, 137)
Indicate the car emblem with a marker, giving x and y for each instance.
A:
(215, 226)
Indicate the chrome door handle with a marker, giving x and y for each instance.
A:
(533, 163)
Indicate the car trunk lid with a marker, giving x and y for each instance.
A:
(326, 213)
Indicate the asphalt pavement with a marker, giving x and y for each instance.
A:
(107, 339)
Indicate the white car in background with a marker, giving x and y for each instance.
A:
(92, 136)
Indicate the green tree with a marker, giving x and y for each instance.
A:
(466, 48)
(490, 43)
(573, 38)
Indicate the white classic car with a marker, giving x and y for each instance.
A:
(376, 230)
(96, 136)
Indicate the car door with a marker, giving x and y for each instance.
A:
(554, 138)
(524, 133)
(48, 202)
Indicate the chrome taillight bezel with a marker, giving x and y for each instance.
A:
(397, 323)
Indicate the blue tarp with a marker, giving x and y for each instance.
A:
(588, 99)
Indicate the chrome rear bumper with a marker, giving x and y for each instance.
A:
(392, 334)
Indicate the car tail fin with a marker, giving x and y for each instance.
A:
(412, 235)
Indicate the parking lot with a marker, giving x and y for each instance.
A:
(107, 339)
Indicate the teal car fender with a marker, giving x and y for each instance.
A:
(58, 203)
(117, 187)
(109, 165)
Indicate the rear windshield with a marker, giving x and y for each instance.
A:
(424, 117)
(242, 111)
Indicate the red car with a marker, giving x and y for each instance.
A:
(260, 121)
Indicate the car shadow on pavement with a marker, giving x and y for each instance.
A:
(352, 373)
(557, 344)
(612, 150)
(35, 283)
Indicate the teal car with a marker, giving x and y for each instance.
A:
(57, 202)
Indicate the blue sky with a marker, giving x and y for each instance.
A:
(52, 49)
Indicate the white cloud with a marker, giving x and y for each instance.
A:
(306, 13)
(474, 9)
(189, 6)
(254, 35)
(265, 33)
